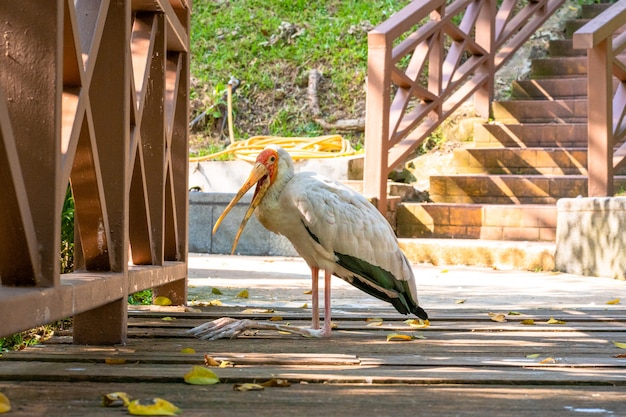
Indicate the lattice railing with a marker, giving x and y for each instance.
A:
(427, 60)
(604, 37)
(93, 93)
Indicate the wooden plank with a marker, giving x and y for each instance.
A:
(78, 400)
(344, 374)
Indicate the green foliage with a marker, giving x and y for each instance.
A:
(141, 298)
(270, 46)
(67, 233)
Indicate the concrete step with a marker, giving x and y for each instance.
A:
(564, 47)
(552, 88)
(497, 254)
(541, 111)
(523, 135)
(521, 161)
(535, 222)
(509, 189)
(570, 66)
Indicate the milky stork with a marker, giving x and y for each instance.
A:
(333, 228)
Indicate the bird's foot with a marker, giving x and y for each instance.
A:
(227, 327)
(222, 328)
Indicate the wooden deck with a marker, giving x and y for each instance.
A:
(464, 363)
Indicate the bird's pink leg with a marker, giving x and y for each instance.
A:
(327, 321)
(315, 323)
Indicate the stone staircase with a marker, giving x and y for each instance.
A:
(532, 154)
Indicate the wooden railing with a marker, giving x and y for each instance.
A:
(606, 110)
(93, 93)
(427, 60)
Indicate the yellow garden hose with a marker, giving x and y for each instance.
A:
(329, 146)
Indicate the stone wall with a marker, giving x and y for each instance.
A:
(591, 236)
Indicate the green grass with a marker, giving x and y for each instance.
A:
(270, 46)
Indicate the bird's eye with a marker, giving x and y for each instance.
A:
(272, 159)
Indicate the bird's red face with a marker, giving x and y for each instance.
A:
(263, 175)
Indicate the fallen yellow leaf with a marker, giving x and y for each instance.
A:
(499, 317)
(168, 318)
(187, 350)
(276, 318)
(215, 303)
(242, 294)
(418, 323)
(533, 356)
(248, 387)
(308, 292)
(200, 375)
(5, 404)
(555, 321)
(226, 364)
(115, 399)
(216, 291)
(159, 407)
(613, 302)
(305, 305)
(460, 301)
(162, 301)
(528, 322)
(621, 345)
(257, 311)
(548, 360)
(514, 313)
(374, 321)
(398, 336)
(211, 361)
(276, 382)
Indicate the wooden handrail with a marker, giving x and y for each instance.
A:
(94, 94)
(606, 124)
(422, 66)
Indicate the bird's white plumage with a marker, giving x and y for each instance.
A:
(342, 221)
(334, 229)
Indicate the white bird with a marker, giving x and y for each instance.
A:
(333, 228)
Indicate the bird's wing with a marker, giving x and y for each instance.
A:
(364, 245)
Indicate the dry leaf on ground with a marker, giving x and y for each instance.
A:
(200, 375)
(5, 404)
(242, 294)
(555, 321)
(115, 399)
(621, 345)
(498, 317)
(162, 301)
(528, 322)
(613, 302)
(158, 407)
(417, 323)
(248, 387)
(398, 337)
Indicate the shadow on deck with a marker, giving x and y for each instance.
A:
(464, 363)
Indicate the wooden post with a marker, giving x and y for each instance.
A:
(599, 123)
(377, 119)
(485, 37)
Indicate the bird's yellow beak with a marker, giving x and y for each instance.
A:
(258, 176)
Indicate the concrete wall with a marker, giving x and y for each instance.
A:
(591, 236)
(205, 208)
